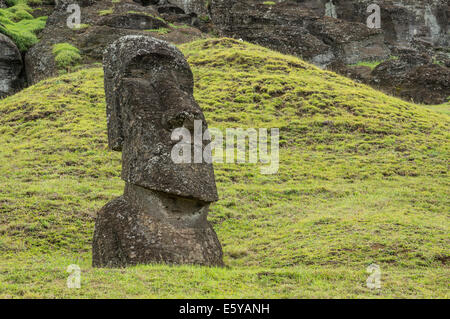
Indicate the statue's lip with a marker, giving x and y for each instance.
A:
(173, 193)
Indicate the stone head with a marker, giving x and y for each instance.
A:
(149, 93)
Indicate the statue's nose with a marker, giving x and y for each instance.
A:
(182, 119)
(182, 113)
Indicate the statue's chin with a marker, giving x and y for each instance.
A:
(171, 208)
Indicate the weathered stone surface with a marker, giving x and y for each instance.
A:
(2, 4)
(333, 34)
(10, 67)
(144, 226)
(401, 20)
(170, 8)
(280, 27)
(162, 215)
(350, 42)
(428, 84)
(413, 77)
(134, 21)
(404, 20)
(200, 7)
(174, 14)
(149, 92)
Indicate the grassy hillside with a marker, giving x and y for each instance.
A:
(363, 179)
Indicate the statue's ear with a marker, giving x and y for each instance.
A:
(113, 115)
(115, 132)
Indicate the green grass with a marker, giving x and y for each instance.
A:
(363, 179)
(171, 27)
(160, 30)
(66, 56)
(82, 26)
(443, 108)
(181, 26)
(106, 12)
(372, 64)
(17, 23)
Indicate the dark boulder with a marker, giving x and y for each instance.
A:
(10, 67)
(428, 84)
(425, 83)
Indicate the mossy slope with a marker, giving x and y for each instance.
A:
(363, 178)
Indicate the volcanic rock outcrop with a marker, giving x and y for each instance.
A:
(10, 67)
(162, 215)
(401, 20)
(332, 34)
(412, 75)
(294, 29)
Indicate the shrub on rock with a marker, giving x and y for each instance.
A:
(66, 56)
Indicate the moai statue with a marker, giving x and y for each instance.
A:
(162, 215)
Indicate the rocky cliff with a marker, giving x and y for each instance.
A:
(335, 34)
(331, 34)
(401, 20)
(292, 28)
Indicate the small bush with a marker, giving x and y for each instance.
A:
(66, 56)
(105, 12)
